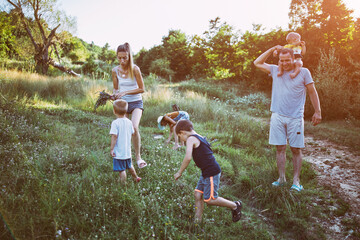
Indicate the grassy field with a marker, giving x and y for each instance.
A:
(57, 180)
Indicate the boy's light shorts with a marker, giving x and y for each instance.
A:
(284, 128)
(121, 164)
(209, 187)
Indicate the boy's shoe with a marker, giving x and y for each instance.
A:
(236, 214)
(297, 188)
(138, 179)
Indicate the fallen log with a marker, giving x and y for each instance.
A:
(63, 68)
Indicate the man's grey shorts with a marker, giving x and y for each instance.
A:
(285, 128)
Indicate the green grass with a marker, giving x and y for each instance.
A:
(339, 132)
(57, 180)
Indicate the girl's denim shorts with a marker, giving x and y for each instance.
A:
(182, 116)
(133, 105)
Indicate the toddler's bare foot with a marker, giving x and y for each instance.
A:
(294, 74)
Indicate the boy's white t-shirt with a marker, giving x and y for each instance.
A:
(123, 128)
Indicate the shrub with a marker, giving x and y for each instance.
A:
(97, 69)
(338, 99)
(161, 67)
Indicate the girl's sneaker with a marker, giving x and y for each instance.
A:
(138, 179)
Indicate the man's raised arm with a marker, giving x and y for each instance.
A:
(260, 61)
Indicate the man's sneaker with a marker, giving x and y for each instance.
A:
(236, 214)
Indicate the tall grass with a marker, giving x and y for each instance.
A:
(57, 180)
(235, 94)
(23, 66)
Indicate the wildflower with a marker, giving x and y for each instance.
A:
(102, 99)
(58, 233)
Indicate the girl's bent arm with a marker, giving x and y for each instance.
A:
(169, 120)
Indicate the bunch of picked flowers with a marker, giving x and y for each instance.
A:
(103, 98)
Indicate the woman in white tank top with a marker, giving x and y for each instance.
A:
(129, 85)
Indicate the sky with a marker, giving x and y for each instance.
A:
(143, 23)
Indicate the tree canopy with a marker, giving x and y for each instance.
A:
(41, 19)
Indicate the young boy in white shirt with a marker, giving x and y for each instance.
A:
(121, 132)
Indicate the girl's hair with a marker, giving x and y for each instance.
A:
(130, 66)
(184, 125)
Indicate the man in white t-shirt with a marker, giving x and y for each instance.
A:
(287, 107)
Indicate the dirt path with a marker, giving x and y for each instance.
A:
(337, 167)
(339, 170)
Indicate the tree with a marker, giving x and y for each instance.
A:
(7, 38)
(161, 67)
(329, 19)
(74, 49)
(323, 24)
(354, 55)
(144, 58)
(222, 50)
(198, 61)
(252, 45)
(337, 24)
(47, 20)
(107, 55)
(177, 51)
(304, 14)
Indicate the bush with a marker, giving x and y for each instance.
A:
(161, 67)
(97, 69)
(338, 99)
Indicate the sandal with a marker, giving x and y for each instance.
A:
(138, 179)
(236, 214)
(297, 188)
(278, 184)
(141, 163)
